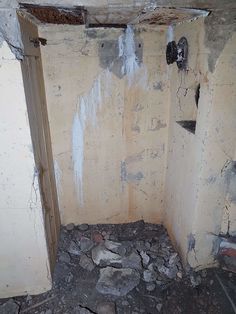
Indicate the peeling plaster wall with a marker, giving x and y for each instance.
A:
(108, 118)
(24, 263)
(200, 166)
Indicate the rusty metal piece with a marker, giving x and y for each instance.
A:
(38, 41)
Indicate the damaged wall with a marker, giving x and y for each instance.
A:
(108, 118)
(24, 266)
(200, 165)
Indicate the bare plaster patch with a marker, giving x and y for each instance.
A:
(10, 32)
(219, 27)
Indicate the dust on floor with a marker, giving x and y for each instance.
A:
(126, 269)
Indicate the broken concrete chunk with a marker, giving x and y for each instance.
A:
(74, 249)
(159, 307)
(195, 280)
(64, 257)
(106, 308)
(149, 275)
(155, 248)
(9, 307)
(132, 261)
(150, 287)
(117, 282)
(145, 258)
(174, 259)
(86, 244)
(83, 227)
(169, 272)
(86, 263)
(70, 227)
(101, 255)
(112, 246)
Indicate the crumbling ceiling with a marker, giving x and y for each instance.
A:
(108, 16)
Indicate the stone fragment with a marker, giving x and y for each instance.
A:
(117, 282)
(121, 251)
(101, 255)
(125, 303)
(83, 227)
(140, 245)
(150, 287)
(174, 259)
(145, 258)
(97, 237)
(159, 307)
(169, 272)
(195, 280)
(132, 261)
(159, 261)
(86, 263)
(147, 245)
(106, 308)
(149, 275)
(74, 249)
(155, 248)
(70, 227)
(77, 235)
(9, 307)
(69, 278)
(112, 246)
(48, 311)
(64, 257)
(86, 244)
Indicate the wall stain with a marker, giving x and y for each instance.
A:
(158, 86)
(156, 125)
(129, 177)
(123, 56)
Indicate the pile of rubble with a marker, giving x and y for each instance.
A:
(121, 269)
(125, 256)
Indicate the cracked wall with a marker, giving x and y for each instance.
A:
(200, 179)
(108, 121)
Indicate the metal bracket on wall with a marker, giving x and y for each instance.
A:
(37, 41)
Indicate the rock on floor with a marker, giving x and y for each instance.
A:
(10, 307)
(106, 308)
(101, 255)
(117, 282)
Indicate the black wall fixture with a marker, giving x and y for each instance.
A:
(178, 53)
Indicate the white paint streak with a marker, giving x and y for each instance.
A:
(88, 107)
(127, 52)
(78, 151)
(58, 176)
(170, 34)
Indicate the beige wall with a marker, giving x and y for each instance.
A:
(109, 160)
(24, 263)
(200, 164)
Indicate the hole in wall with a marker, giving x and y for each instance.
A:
(107, 25)
(197, 94)
(189, 125)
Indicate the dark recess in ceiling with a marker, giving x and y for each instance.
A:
(56, 15)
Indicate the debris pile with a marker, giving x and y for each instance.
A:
(119, 269)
